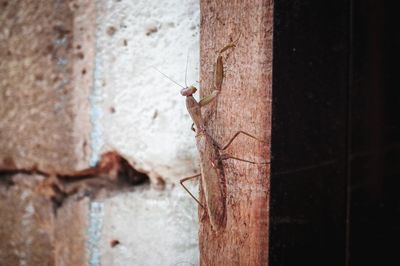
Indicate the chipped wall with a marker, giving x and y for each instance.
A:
(78, 79)
(141, 114)
(138, 111)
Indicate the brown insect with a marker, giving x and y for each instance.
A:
(212, 171)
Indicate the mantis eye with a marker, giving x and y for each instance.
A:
(188, 91)
(193, 128)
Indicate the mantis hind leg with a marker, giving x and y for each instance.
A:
(187, 190)
(224, 147)
(227, 156)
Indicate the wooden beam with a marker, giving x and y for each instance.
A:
(243, 104)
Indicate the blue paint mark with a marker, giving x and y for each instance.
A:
(96, 133)
(96, 214)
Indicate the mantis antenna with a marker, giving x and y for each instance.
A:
(187, 61)
(169, 78)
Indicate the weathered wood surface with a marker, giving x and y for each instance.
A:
(243, 104)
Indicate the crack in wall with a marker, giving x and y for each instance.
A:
(112, 173)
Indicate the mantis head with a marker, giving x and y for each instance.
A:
(188, 91)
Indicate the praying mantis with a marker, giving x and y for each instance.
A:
(212, 172)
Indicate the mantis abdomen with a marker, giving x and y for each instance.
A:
(212, 179)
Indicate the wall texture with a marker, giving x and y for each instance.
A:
(46, 51)
(136, 110)
(79, 79)
(141, 114)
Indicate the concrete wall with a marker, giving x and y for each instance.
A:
(46, 56)
(78, 79)
(141, 114)
(135, 109)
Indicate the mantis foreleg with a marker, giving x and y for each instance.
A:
(218, 75)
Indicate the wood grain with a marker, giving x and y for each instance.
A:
(243, 104)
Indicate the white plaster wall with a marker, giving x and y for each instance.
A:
(152, 227)
(150, 125)
(141, 114)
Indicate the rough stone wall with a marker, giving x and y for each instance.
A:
(36, 232)
(26, 227)
(77, 79)
(43, 84)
